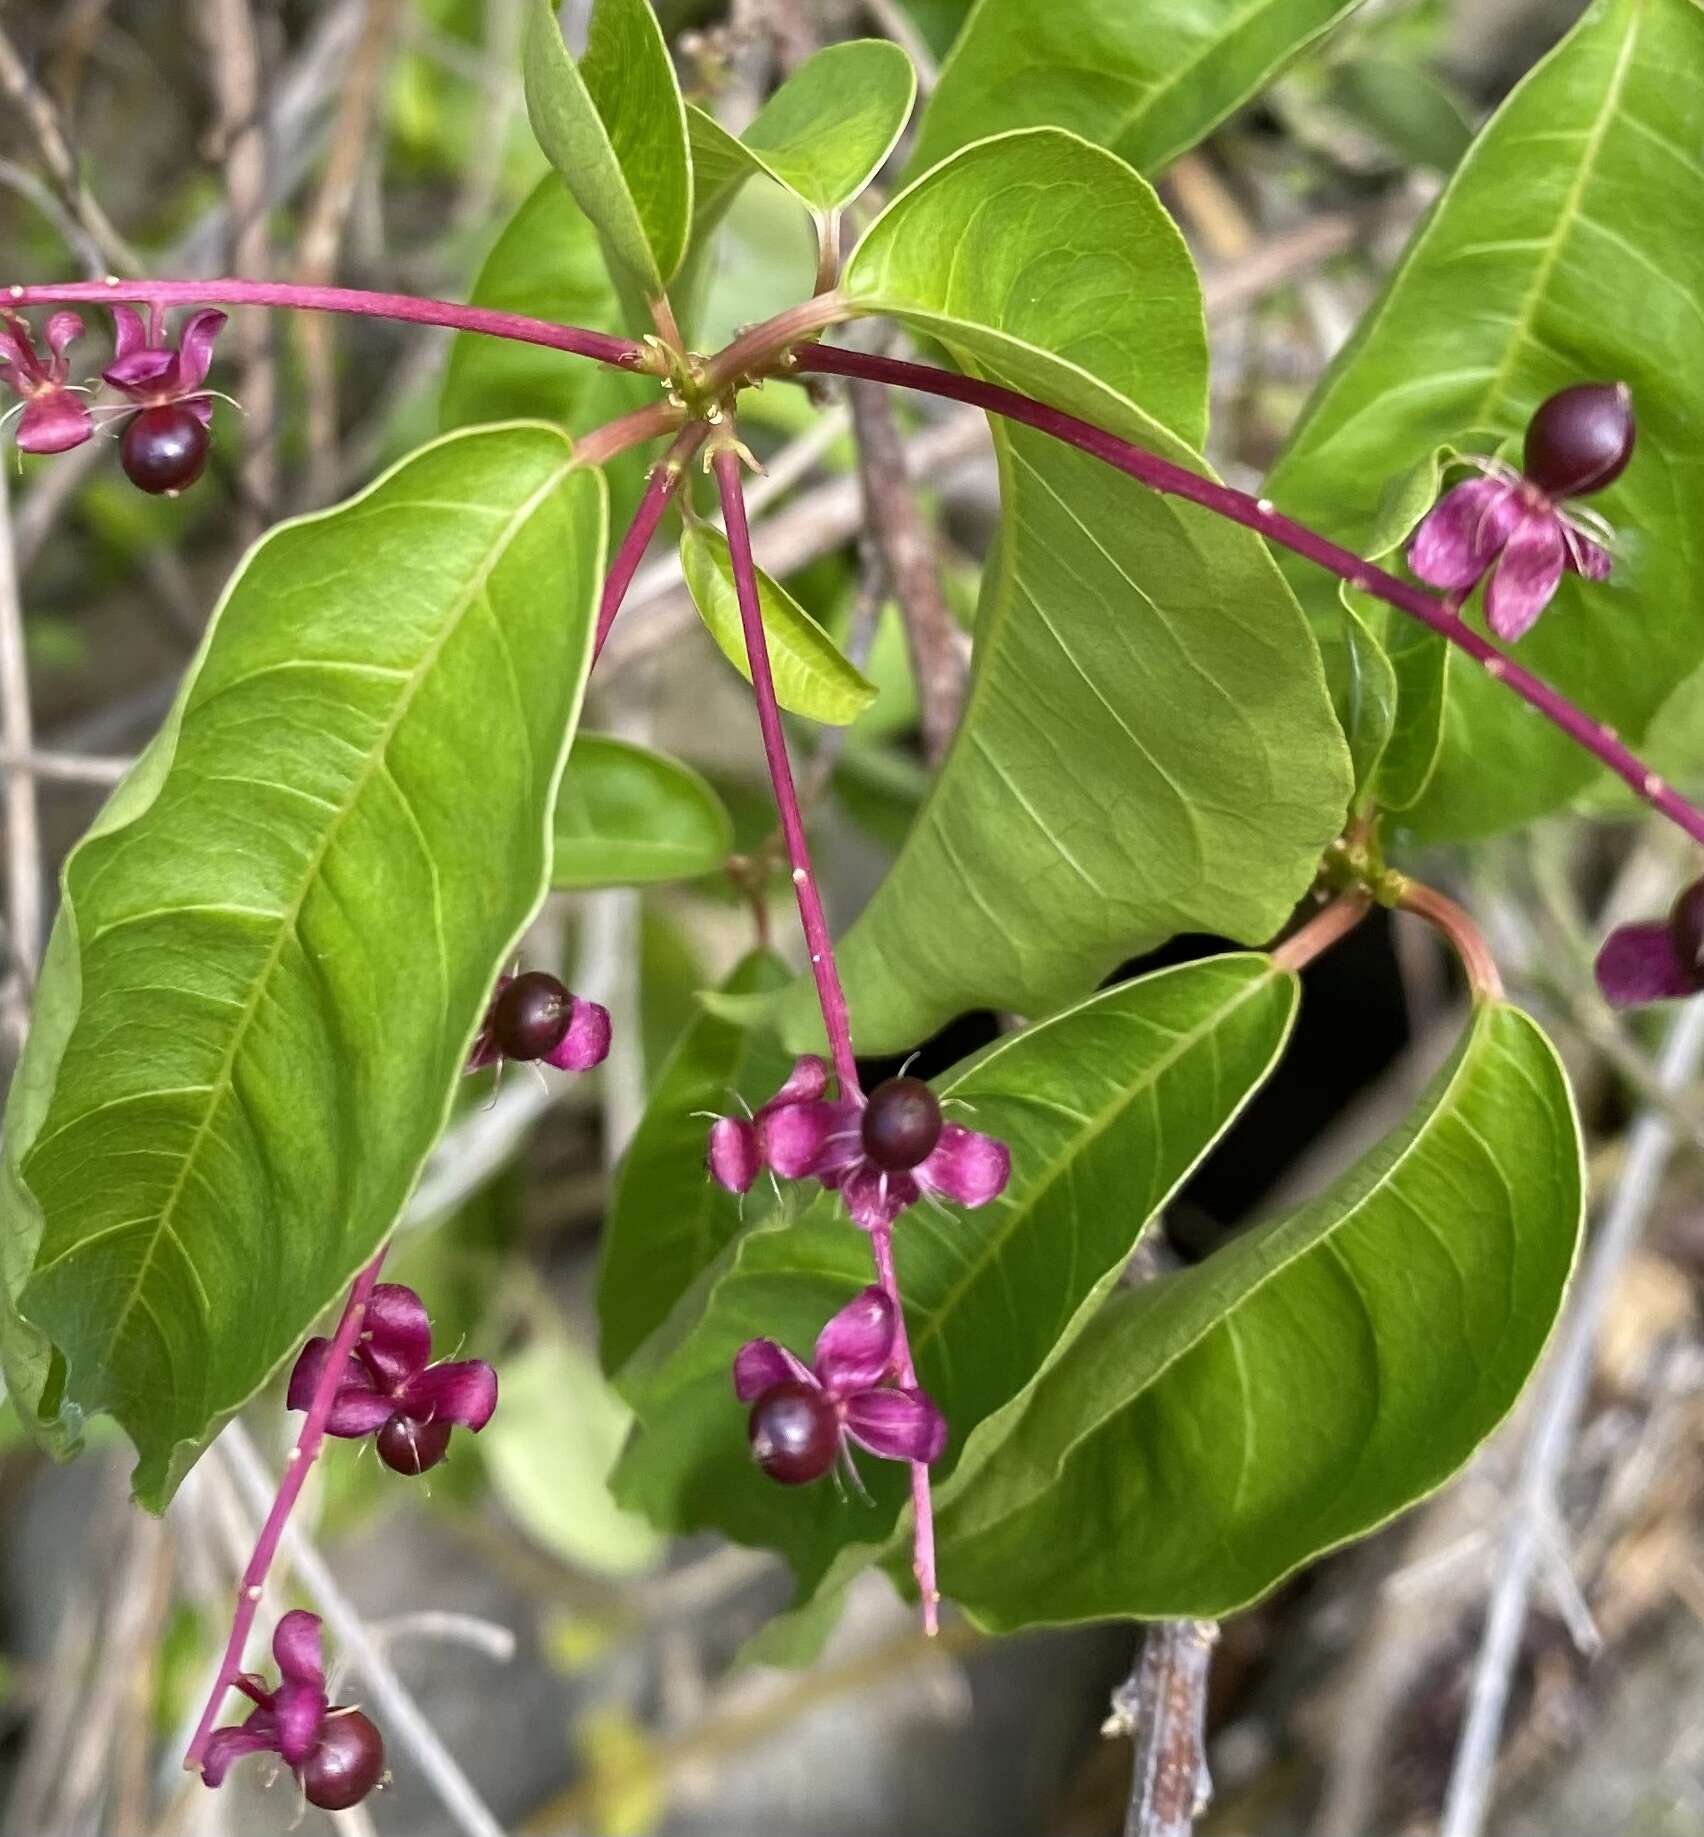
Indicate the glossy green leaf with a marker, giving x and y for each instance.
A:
(827, 130)
(1080, 817)
(1368, 706)
(549, 1450)
(812, 675)
(1147, 80)
(614, 127)
(627, 816)
(1214, 1430)
(276, 942)
(668, 1220)
(1106, 1108)
(1550, 258)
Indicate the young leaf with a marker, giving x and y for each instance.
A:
(614, 127)
(545, 263)
(812, 677)
(1079, 819)
(549, 1450)
(1550, 259)
(276, 942)
(1402, 104)
(826, 131)
(1214, 1430)
(668, 1220)
(1147, 81)
(628, 817)
(1106, 1108)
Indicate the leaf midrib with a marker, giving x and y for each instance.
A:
(377, 761)
(1095, 1129)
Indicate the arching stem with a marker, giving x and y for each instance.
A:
(159, 296)
(1257, 514)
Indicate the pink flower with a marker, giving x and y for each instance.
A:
(881, 1153)
(55, 418)
(534, 1016)
(805, 1414)
(336, 1753)
(391, 1390)
(1656, 960)
(153, 376)
(1511, 525)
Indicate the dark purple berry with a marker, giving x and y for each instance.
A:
(406, 1446)
(794, 1432)
(902, 1124)
(1580, 439)
(1686, 927)
(164, 449)
(530, 1018)
(347, 1764)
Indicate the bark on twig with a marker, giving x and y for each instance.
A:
(24, 903)
(1163, 1706)
(234, 54)
(939, 660)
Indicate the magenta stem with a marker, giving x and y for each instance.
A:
(307, 1446)
(659, 488)
(922, 1505)
(1257, 514)
(623, 353)
(817, 939)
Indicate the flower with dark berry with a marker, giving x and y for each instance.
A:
(803, 1416)
(164, 447)
(1656, 959)
(533, 1016)
(881, 1153)
(1511, 525)
(52, 416)
(333, 1749)
(392, 1391)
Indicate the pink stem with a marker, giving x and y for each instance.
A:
(159, 295)
(821, 945)
(295, 1476)
(829, 992)
(922, 1505)
(1257, 514)
(659, 488)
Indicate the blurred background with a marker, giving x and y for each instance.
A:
(584, 1672)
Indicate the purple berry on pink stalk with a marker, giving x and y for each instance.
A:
(1656, 959)
(55, 417)
(1510, 526)
(803, 1416)
(881, 1153)
(334, 1751)
(163, 450)
(533, 1016)
(391, 1390)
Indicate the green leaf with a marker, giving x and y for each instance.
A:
(628, 817)
(1368, 707)
(548, 1451)
(1079, 818)
(1106, 1108)
(614, 127)
(1214, 1430)
(812, 676)
(827, 130)
(1146, 80)
(668, 1220)
(1550, 258)
(1404, 106)
(276, 942)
